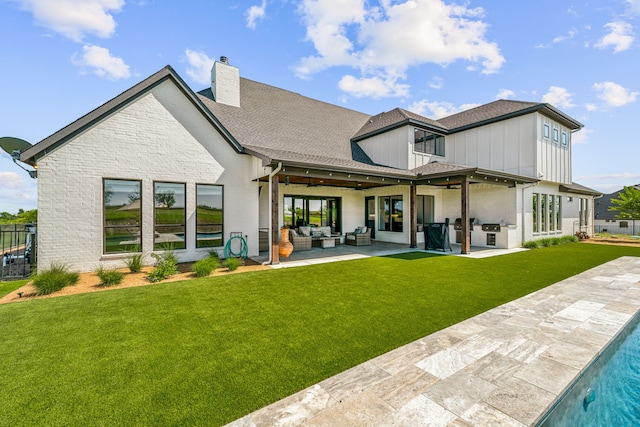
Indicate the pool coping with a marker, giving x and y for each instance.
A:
(506, 366)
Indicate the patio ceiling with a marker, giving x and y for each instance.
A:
(451, 178)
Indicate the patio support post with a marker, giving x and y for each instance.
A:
(275, 219)
(466, 232)
(414, 216)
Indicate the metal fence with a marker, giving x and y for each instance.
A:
(19, 250)
(614, 228)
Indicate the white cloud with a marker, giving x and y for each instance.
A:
(436, 83)
(102, 62)
(12, 181)
(384, 41)
(437, 110)
(75, 18)
(374, 87)
(571, 34)
(505, 94)
(254, 13)
(558, 97)
(614, 95)
(18, 192)
(620, 37)
(581, 137)
(199, 66)
(634, 6)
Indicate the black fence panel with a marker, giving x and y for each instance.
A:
(19, 250)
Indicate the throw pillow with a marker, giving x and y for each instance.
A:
(363, 229)
(357, 230)
(316, 233)
(305, 231)
(326, 232)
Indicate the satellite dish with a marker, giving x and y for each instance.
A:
(12, 145)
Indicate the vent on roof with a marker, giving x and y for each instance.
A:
(224, 59)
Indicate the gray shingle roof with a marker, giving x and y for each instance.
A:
(486, 112)
(273, 120)
(394, 118)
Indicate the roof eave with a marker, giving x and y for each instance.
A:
(408, 121)
(53, 141)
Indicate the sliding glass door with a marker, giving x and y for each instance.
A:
(312, 211)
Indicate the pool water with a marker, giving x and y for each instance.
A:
(608, 393)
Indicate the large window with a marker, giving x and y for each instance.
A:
(543, 212)
(169, 216)
(424, 206)
(559, 213)
(536, 210)
(547, 212)
(390, 213)
(122, 203)
(427, 142)
(312, 211)
(552, 216)
(209, 215)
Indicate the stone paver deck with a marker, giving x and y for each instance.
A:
(504, 367)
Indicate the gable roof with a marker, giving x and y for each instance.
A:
(167, 73)
(392, 119)
(501, 110)
(484, 114)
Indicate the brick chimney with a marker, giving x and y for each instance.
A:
(225, 82)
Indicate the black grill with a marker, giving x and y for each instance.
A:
(458, 224)
(490, 227)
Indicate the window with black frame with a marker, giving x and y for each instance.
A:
(390, 213)
(169, 216)
(428, 142)
(209, 215)
(122, 210)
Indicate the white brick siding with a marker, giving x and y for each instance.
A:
(160, 136)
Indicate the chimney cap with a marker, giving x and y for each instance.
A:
(224, 59)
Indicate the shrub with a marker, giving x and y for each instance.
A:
(134, 262)
(531, 244)
(205, 266)
(56, 277)
(232, 263)
(550, 241)
(166, 265)
(109, 277)
(568, 239)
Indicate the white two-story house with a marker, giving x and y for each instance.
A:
(163, 167)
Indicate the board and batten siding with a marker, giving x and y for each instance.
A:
(508, 146)
(160, 136)
(553, 159)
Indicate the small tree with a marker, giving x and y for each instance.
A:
(627, 204)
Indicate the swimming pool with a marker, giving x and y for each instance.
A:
(608, 392)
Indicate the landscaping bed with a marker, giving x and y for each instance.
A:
(90, 282)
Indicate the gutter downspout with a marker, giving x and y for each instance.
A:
(524, 187)
(271, 175)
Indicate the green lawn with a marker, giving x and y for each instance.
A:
(207, 351)
(8, 287)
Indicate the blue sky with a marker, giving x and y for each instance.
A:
(63, 58)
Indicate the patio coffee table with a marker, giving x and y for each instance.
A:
(328, 242)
